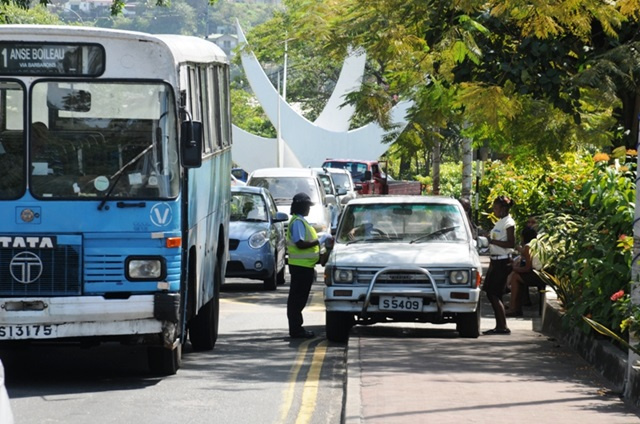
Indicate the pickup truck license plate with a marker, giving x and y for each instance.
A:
(400, 303)
(27, 331)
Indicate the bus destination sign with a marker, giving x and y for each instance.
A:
(19, 58)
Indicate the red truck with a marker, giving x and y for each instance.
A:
(369, 179)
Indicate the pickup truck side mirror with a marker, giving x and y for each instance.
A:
(482, 244)
(367, 176)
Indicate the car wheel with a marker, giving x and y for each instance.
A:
(271, 283)
(468, 325)
(338, 325)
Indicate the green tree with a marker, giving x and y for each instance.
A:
(501, 60)
(13, 13)
(249, 116)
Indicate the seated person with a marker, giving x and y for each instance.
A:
(523, 273)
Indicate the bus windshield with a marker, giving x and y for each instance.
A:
(97, 139)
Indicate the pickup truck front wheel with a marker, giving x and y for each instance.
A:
(468, 325)
(338, 325)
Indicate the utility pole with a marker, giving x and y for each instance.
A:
(632, 357)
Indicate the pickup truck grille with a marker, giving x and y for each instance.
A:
(365, 275)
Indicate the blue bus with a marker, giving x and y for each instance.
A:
(115, 149)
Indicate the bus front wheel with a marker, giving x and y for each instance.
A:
(163, 361)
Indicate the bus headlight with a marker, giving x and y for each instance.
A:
(459, 277)
(145, 269)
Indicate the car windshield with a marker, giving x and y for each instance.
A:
(341, 181)
(284, 188)
(402, 222)
(326, 184)
(248, 207)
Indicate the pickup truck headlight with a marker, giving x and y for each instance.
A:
(257, 240)
(343, 276)
(459, 277)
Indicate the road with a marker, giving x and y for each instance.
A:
(255, 374)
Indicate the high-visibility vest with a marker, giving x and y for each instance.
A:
(302, 257)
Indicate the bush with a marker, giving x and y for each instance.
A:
(585, 208)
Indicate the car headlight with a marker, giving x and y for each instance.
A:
(145, 269)
(459, 277)
(257, 240)
(343, 276)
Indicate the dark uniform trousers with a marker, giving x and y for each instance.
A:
(301, 281)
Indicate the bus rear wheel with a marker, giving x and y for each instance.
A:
(203, 331)
(163, 361)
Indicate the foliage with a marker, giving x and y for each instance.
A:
(607, 332)
(12, 13)
(249, 116)
(171, 18)
(584, 208)
(450, 180)
(537, 187)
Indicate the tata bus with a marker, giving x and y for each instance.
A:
(115, 154)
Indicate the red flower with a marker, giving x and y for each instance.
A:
(617, 295)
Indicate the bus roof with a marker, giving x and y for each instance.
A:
(183, 48)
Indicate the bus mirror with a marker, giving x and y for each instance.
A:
(68, 99)
(191, 142)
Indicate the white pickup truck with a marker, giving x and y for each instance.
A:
(403, 259)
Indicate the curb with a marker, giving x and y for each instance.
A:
(352, 410)
(604, 356)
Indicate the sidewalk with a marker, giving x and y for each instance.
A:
(428, 374)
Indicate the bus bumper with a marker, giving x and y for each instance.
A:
(89, 316)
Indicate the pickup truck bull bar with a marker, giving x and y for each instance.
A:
(389, 269)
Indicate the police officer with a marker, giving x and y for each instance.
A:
(303, 246)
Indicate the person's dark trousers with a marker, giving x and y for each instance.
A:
(301, 281)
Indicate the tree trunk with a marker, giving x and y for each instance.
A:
(436, 167)
(467, 160)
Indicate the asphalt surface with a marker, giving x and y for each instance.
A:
(426, 374)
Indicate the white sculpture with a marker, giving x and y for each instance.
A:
(305, 143)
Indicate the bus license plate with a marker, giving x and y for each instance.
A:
(400, 303)
(27, 331)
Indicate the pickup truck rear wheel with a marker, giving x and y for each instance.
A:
(338, 325)
(468, 325)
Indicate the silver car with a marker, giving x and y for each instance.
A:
(284, 183)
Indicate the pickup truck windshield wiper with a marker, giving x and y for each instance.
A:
(439, 232)
(119, 173)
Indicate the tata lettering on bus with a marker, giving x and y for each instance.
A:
(115, 151)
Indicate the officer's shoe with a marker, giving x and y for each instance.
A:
(302, 334)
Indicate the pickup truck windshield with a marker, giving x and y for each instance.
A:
(420, 223)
